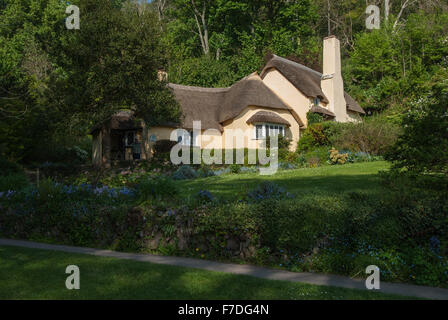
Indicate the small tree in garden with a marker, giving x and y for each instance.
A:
(423, 146)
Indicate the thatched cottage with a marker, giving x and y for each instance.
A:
(276, 101)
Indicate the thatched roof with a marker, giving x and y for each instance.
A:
(306, 80)
(352, 104)
(323, 111)
(303, 78)
(214, 106)
(199, 104)
(266, 116)
(122, 120)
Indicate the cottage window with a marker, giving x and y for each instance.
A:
(262, 131)
(317, 101)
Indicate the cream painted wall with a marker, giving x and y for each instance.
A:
(214, 139)
(240, 122)
(333, 84)
(288, 93)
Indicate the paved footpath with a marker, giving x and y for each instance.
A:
(265, 273)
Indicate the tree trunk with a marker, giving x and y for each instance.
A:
(202, 25)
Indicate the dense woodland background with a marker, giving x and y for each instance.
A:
(56, 83)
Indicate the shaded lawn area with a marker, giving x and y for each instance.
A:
(40, 274)
(327, 179)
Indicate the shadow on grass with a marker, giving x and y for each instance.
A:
(40, 274)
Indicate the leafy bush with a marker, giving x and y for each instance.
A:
(235, 168)
(318, 135)
(372, 136)
(287, 166)
(248, 169)
(205, 196)
(337, 158)
(205, 171)
(268, 190)
(423, 146)
(313, 232)
(315, 158)
(158, 187)
(8, 167)
(360, 156)
(185, 172)
(13, 181)
(313, 118)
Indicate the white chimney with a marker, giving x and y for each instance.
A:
(332, 84)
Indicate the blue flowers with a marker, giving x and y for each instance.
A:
(205, 196)
(268, 190)
(434, 245)
(8, 194)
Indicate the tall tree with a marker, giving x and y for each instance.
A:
(112, 63)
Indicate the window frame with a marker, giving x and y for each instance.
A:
(267, 128)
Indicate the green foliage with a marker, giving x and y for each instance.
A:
(185, 172)
(318, 135)
(268, 191)
(314, 231)
(373, 136)
(235, 168)
(402, 62)
(13, 181)
(157, 187)
(203, 72)
(7, 167)
(111, 68)
(313, 118)
(423, 146)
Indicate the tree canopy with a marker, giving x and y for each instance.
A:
(56, 83)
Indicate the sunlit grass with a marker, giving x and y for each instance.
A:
(328, 179)
(40, 274)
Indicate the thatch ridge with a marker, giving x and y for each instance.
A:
(269, 117)
(306, 80)
(213, 106)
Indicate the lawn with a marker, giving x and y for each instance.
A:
(40, 274)
(326, 179)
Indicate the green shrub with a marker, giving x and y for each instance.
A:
(373, 136)
(423, 146)
(235, 168)
(312, 232)
(8, 167)
(13, 181)
(313, 118)
(205, 171)
(268, 190)
(319, 135)
(185, 172)
(317, 157)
